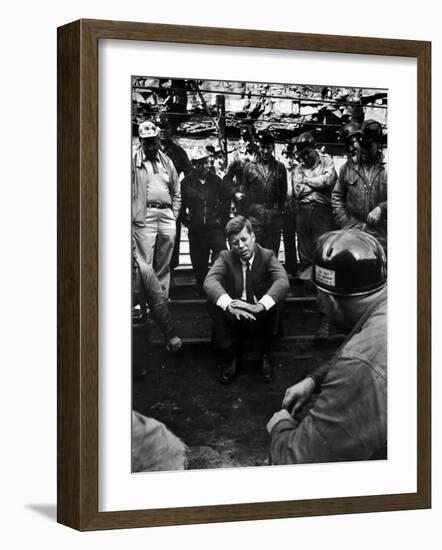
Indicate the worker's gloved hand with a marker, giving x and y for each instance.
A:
(174, 344)
(238, 196)
(296, 396)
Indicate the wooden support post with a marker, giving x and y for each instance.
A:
(221, 112)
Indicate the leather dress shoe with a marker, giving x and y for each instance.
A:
(228, 371)
(267, 368)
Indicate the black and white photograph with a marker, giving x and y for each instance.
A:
(259, 273)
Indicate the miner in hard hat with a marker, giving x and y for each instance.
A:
(156, 203)
(351, 136)
(313, 181)
(182, 164)
(244, 152)
(359, 198)
(205, 211)
(348, 418)
(265, 186)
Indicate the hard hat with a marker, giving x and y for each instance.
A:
(372, 130)
(349, 130)
(198, 153)
(305, 141)
(247, 132)
(147, 129)
(291, 144)
(349, 262)
(266, 137)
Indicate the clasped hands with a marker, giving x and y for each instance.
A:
(243, 310)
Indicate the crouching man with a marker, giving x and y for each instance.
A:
(246, 287)
(348, 420)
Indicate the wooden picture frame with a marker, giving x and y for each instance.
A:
(78, 274)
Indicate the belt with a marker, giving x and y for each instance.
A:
(157, 205)
(313, 205)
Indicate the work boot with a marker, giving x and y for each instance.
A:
(267, 368)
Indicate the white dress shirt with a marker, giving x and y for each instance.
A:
(224, 300)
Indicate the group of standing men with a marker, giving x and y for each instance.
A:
(246, 285)
(302, 201)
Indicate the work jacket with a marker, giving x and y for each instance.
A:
(314, 185)
(267, 188)
(164, 167)
(205, 203)
(357, 192)
(348, 421)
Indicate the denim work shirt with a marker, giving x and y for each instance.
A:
(162, 167)
(348, 421)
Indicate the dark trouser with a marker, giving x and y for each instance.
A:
(204, 239)
(312, 221)
(269, 233)
(230, 336)
(378, 233)
(289, 236)
(175, 260)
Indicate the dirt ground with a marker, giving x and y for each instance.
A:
(223, 426)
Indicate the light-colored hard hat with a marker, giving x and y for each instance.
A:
(147, 129)
(198, 153)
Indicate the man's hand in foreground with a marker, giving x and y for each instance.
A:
(296, 396)
(279, 415)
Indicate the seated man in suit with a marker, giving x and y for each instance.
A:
(246, 287)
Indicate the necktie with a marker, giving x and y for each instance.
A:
(249, 287)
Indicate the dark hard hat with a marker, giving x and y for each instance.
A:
(291, 144)
(266, 137)
(163, 121)
(349, 130)
(247, 131)
(372, 130)
(349, 263)
(305, 141)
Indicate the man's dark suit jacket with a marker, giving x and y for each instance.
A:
(226, 276)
